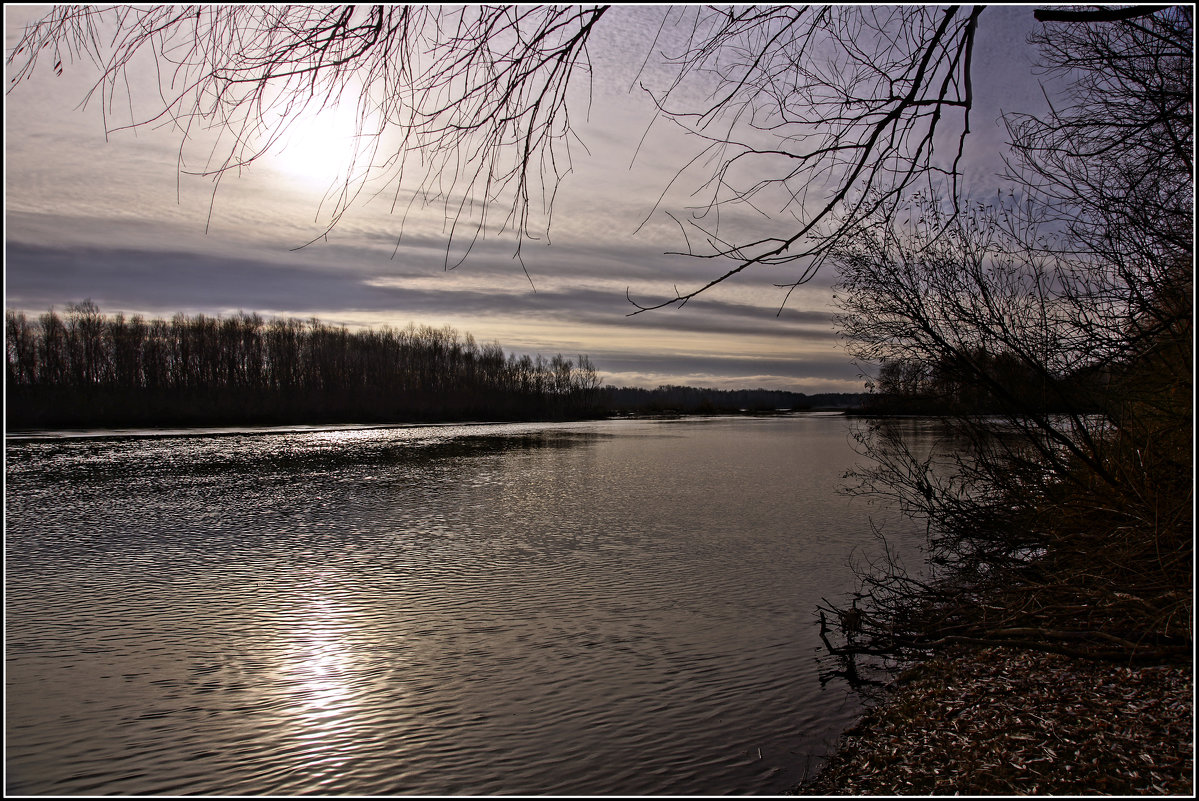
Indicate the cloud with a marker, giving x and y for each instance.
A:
(710, 338)
(149, 277)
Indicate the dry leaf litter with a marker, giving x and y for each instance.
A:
(1004, 721)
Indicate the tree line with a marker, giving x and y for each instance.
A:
(668, 399)
(945, 386)
(88, 368)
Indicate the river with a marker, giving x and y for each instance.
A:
(606, 607)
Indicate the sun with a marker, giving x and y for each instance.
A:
(317, 148)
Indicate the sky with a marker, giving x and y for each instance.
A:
(111, 218)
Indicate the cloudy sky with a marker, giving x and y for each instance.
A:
(110, 218)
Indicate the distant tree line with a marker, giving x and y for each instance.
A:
(85, 368)
(975, 381)
(695, 400)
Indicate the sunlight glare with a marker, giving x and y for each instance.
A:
(317, 148)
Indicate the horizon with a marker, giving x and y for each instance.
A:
(33, 316)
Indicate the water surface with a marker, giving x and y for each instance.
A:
(613, 607)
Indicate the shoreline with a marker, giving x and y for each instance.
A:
(999, 720)
(223, 429)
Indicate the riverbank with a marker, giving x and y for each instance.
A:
(997, 721)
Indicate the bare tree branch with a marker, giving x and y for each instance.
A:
(817, 119)
(1097, 14)
(867, 122)
(475, 95)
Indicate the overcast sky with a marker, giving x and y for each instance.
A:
(110, 219)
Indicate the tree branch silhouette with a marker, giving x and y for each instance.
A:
(467, 109)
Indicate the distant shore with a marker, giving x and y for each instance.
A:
(24, 427)
(1006, 721)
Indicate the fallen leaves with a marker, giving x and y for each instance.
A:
(1002, 721)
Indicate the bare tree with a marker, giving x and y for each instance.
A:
(1065, 521)
(1113, 167)
(1062, 519)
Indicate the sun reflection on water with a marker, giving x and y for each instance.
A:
(344, 436)
(321, 671)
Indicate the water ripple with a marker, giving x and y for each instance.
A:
(566, 609)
